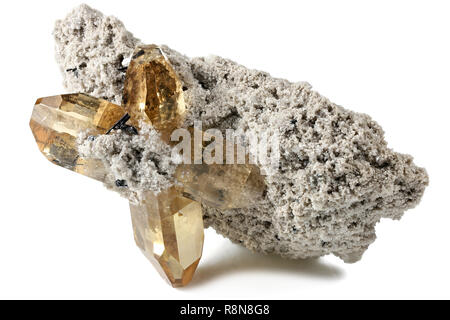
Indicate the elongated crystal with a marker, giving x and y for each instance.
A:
(56, 122)
(221, 186)
(153, 91)
(168, 228)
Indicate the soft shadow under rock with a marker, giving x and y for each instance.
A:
(241, 260)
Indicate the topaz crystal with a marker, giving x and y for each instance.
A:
(168, 228)
(152, 91)
(57, 121)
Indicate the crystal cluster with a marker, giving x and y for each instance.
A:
(153, 94)
(168, 226)
(335, 180)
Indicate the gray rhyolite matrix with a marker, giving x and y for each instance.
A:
(336, 179)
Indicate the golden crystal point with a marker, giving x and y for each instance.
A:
(152, 91)
(168, 228)
(57, 121)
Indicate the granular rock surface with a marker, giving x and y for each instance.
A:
(81, 39)
(336, 178)
(136, 164)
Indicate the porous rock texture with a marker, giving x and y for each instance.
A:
(336, 179)
(81, 39)
(135, 164)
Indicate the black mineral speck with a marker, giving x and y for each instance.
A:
(119, 124)
(267, 224)
(121, 183)
(129, 129)
(138, 54)
(74, 70)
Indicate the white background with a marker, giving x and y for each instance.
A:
(65, 236)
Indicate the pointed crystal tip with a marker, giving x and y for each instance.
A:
(152, 91)
(168, 228)
(57, 121)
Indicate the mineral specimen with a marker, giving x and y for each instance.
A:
(337, 178)
(57, 121)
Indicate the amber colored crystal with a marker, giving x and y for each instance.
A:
(56, 122)
(223, 186)
(152, 91)
(168, 228)
(219, 186)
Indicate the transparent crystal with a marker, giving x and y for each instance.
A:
(168, 228)
(57, 121)
(153, 92)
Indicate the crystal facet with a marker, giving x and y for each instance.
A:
(168, 228)
(56, 122)
(152, 91)
(219, 186)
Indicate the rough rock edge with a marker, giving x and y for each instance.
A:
(136, 164)
(337, 177)
(108, 39)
